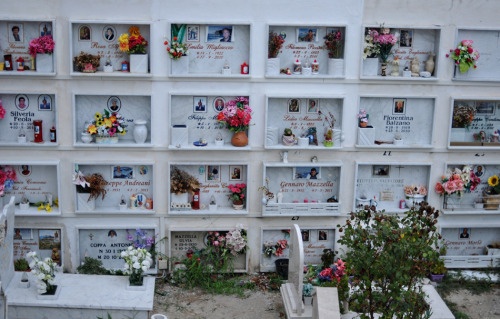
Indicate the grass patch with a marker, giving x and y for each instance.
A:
(454, 281)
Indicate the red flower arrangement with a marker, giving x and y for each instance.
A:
(275, 44)
(236, 115)
(133, 44)
(237, 195)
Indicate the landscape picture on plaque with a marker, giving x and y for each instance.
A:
(305, 234)
(22, 102)
(109, 33)
(485, 108)
(307, 35)
(307, 172)
(293, 106)
(217, 33)
(49, 239)
(322, 235)
(213, 173)
(199, 104)
(122, 172)
(464, 233)
(235, 172)
(16, 32)
(45, 29)
(380, 170)
(114, 104)
(23, 233)
(405, 38)
(313, 106)
(25, 170)
(399, 107)
(44, 103)
(84, 33)
(219, 104)
(193, 33)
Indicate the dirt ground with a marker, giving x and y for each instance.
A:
(179, 303)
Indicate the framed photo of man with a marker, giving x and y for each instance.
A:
(45, 29)
(44, 103)
(213, 173)
(199, 104)
(399, 107)
(307, 35)
(220, 33)
(16, 32)
(307, 172)
(405, 38)
(219, 104)
(192, 33)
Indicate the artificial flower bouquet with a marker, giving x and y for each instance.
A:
(44, 271)
(385, 41)
(176, 49)
(236, 115)
(415, 189)
(334, 44)
(7, 178)
(275, 248)
(463, 116)
(233, 242)
(371, 49)
(275, 44)
(107, 124)
(2, 111)
(133, 43)
(363, 118)
(237, 195)
(44, 45)
(458, 181)
(137, 261)
(465, 55)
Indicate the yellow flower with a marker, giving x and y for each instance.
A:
(56, 202)
(123, 40)
(92, 129)
(123, 132)
(493, 181)
(99, 123)
(134, 31)
(107, 122)
(48, 208)
(41, 207)
(98, 116)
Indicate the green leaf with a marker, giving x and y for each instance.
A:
(464, 67)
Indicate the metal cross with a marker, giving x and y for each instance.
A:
(91, 236)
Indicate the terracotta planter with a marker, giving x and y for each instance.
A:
(363, 124)
(239, 139)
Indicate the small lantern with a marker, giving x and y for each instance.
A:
(20, 64)
(125, 66)
(244, 68)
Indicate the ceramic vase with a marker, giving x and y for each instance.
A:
(139, 63)
(237, 207)
(86, 137)
(239, 139)
(288, 140)
(383, 69)
(44, 63)
(140, 131)
(429, 64)
(273, 67)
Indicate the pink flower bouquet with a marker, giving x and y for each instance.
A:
(44, 45)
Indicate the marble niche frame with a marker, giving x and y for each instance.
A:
(323, 62)
(235, 67)
(150, 49)
(106, 172)
(180, 141)
(415, 28)
(366, 135)
(38, 114)
(78, 122)
(42, 256)
(26, 22)
(339, 124)
(32, 210)
(467, 133)
(205, 199)
(309, 209)
(393, 205)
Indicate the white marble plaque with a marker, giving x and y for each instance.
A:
(315, 240)
(41, 241)
(201, 124)
(413, 121)
(183, 241)
(130, 107)
(484, 123)
(21, 110)
(107, 244)
(467, 241)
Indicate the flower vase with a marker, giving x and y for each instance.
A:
(370, 67)
(52, 295)
(273, 67)
(383, 69)
(363, 124)
(414, 200)
(288, 140)
(44, 63)
(180, 66)
(239, 139)
(308, 300)
(237, 207)
(86, 137)
(452, 201)
(336, 67)
(491, 202)
(139, 63)
(136, 281)
(429, 64)
(140, 131)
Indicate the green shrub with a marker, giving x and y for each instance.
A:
(92, 266)
(21, 264)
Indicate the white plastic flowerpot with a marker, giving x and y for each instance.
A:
(336, 67)
(370, 66)
(273, 66)
(139, 63)
(180, 66)
(83, 202)
(44, 63)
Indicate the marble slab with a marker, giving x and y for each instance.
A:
(6, 244)
(107, 244)
(468, 241)
(40, 240)
(414, 122)
(131, 107)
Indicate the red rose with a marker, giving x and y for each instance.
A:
(470, 50)
(447, 55)
(175, 38)
(165, 43)
(457, 51)
(475, 66)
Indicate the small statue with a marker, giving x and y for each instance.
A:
(56, 257)
(279, 196)
(415, 67)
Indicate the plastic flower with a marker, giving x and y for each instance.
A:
(98, 116)
(44, 45)
(134, 31)
(465, 56)
(2, 111)
(123, 40)
(493, 181)
(236, 115)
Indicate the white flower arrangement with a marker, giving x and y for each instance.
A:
(235, 240)
(137, 261)
(44, 271)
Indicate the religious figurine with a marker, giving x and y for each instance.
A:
(415, 67)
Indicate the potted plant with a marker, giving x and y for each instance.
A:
(307, 290)
(107, 127)
(237, 195)
(288, 137)
(438, 270)
(93, 184)
(135, 45)
(86, 62)
(465, 56)
(24, 204)
(236, 117)
(182, 184)
(41, 48)
(363, 118)
(334, 43)
(44, 271)
(414, 194)
(330, 122)
(21, 264)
